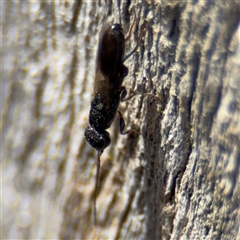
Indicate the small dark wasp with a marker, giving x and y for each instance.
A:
(108, 89)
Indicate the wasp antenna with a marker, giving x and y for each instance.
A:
(119, 12)
(131, 28)
(135, 49)
(96, 186)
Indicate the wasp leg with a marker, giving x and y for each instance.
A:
(122, 125)
(123, 94)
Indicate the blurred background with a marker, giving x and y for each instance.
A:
(178, 180)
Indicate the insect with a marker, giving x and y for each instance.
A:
(108, 89)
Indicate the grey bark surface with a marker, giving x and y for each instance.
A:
(180, 179)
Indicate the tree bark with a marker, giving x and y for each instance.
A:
(178, 179)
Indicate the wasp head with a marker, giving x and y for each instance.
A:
(98, 140)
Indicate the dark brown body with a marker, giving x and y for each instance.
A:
(108, 89)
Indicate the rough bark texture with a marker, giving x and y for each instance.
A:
(178, 180)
